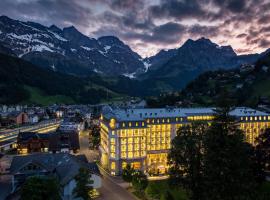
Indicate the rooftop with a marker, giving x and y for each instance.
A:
(139, 114)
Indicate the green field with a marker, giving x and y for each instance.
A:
(38, 97)
(157, 190)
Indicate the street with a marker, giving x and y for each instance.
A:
(5, 180)
(111, 190)
(112, 187)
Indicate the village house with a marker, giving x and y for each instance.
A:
(62, 166)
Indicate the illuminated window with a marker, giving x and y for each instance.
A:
(113, 155)
(129, 124)
(123, 124)
(113, 132)
(123, 154)
(112, 140)
(112, 148)
(124, 165)
(137, 154)
(123, 141)
(113, 165)
(112, 123)
(130, 147)
(130, 140)
(123, 147)
(130, 154)
(137, 124)
(142, 123)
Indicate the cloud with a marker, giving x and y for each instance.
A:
(242, 35)
(149, 25)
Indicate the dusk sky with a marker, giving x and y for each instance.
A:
(151, 25)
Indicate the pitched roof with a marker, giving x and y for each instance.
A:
(65, 165)
(139, 114)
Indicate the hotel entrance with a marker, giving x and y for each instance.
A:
(157, 164)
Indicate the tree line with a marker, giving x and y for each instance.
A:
(216, 163)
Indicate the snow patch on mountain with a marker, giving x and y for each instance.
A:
(87, 48)
(103, 53)
(33, 28)
(58, 36)
(107, 48)
(41, 48)
(97, 71)
(130, 75)
(146, 65)
(26, 37)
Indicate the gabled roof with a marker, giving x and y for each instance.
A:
(65, 165)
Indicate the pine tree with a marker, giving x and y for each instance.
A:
(127, 173)
(262, 156)
(38, 188)
(83, 187)
(139, 181)
(228, 171)
(186, 159)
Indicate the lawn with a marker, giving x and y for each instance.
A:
(38, 97)
(157, 190)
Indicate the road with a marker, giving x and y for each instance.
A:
(5, 180)
(113, 188)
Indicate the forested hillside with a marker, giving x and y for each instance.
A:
(248, 85)
(21, 81)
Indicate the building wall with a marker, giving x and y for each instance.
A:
(145, 145)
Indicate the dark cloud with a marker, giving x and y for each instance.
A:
(264, 43)
(163, 23)
(177, 9)
(242, 35)
(209, 31)
(265, 19)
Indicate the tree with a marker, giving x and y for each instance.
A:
(228, 171)
(167, 196)
(83, 187)
(186, 159)
(262, 155)
(127, 173)
(139, 181)
(40, 188)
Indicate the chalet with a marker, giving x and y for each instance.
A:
(18, 117)
(63, 167)
(29, 142)
(54, 142)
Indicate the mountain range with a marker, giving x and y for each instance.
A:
(110, 63)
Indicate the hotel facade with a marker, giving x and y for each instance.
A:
(142, 137)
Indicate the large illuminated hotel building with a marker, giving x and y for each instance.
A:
(142, 137)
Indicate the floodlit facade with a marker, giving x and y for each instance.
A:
(142, 137)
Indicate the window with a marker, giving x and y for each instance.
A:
(123, 155)
(130, 154)
(112, 140)
(112, 155)
(124, 165)
(123, 147)
(113, 165)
